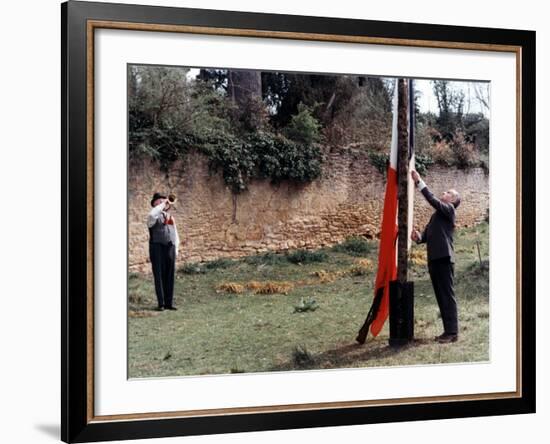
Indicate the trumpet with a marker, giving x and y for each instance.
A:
(171, 201)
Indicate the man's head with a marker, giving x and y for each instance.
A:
(451, 196)
(157, 199)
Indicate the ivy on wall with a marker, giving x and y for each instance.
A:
(263, 156)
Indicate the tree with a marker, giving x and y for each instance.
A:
(159, 107)
(168, 112)
(450, 102)
(481, 91)
(245, 90)
(324, 94)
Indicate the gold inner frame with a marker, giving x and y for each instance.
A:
(96, 24)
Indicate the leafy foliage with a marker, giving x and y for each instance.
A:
(169, 115)
(464, 151)
(192, 268)
(263, 155)
(303, 127)
(265, 259)
(380, 161)
(453, 137)
(422, 162)
(306, 256)
(221, 263)
(354, 246)
(273, 130)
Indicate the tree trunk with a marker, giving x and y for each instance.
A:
(244, 86)
(245, 89)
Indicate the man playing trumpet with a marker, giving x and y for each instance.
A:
(163, 248)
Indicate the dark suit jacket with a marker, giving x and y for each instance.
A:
(438, 234)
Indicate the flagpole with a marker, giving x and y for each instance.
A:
(403, 179)
(412, 161)
(401, 290)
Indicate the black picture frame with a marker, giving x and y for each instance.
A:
(77, 423)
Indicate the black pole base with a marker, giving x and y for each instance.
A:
(401, 313)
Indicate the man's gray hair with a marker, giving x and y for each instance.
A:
(456, 197)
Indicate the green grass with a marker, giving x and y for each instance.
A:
(222, 333)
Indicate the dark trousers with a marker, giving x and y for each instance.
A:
(442, 273)
(163, 261)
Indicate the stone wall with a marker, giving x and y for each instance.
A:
(347, 200)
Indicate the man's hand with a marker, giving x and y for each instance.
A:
(415, 235)
(415, 176)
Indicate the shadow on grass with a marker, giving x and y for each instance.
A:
(349, 355)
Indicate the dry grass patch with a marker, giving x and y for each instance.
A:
(361, 267)
(267, 287)
(326, 277)
(141, 314)
(230, 287)
(254, 285)
(272, 287)
(418, 256)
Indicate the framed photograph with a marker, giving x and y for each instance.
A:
(275, 221)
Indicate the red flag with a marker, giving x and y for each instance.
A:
(387, 253)
(387, 259)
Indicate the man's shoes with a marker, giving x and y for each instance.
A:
(446, 338)
(170, 307)
(159, 308)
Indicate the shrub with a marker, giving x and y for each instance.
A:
(476, 127)
(422, 163)
(354, 246)
(219, 263)
(441, 153)
(454, 150)
(265, 259)
(303, 126)
(280, 159)
(465, 154)
(306, 257)
(192, 268)
(380, 161)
